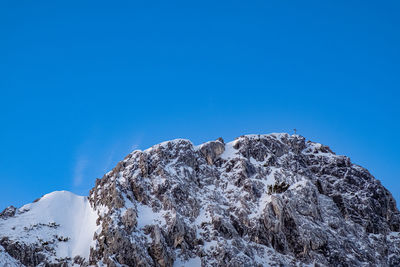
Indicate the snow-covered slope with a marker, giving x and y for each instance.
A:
(61, 223)
(260, 200)
(7, 261)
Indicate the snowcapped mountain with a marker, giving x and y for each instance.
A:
(260, 200)
(60, 223)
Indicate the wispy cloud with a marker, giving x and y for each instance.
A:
(79, 170)
(94, 159)
(109, 160)
(116, 150)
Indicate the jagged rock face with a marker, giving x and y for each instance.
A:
(8, 212)
(261, 200)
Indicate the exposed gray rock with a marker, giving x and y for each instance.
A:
(261, 200)
(212, 150)
(257, 201)
(27, 255)
(8, 212)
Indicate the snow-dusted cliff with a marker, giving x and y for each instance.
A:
(261, 200)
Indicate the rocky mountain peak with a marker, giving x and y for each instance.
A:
(8, 212)
(260, 200)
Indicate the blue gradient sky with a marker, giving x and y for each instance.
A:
(83, 83)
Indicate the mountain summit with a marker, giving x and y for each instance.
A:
(260, 200)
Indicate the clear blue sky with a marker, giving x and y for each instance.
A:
(85, 82)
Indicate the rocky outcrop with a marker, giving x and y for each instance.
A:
(261, 200)
(8, 212)
(28, 255)
(212, 150)
(257, 201)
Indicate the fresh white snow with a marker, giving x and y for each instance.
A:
(146, 216)
(60, 215)
(230, 151)
(192, 262)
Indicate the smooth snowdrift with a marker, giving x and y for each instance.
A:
(61, 219)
